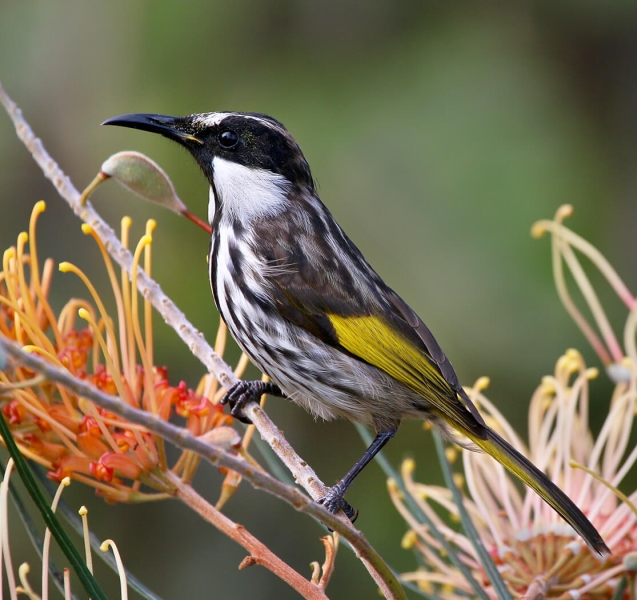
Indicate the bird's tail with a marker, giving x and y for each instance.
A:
(523, 468)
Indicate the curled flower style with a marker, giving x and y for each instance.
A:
(564, 247)
(67, 434)
(536, 554)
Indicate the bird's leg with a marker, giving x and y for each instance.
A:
(248, 391)
(334, 500)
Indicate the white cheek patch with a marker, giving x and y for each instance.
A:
(212, 206)
(248, 193)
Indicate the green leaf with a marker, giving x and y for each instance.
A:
(75, 522)
(621, 588)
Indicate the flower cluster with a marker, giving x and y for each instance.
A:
(67, 434)
(536, 554)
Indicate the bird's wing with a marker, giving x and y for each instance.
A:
(434, 350)
(372, 323)
(399, 343)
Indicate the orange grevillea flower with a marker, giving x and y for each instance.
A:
(69, 435)
(537, 555)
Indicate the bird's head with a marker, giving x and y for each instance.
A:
(250, 159)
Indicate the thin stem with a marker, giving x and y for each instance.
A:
(33, 533)
(75, 522)
(260, 554)
(469, 528)
(86, 578)
(422, 517)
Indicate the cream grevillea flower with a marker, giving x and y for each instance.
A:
(536, 554)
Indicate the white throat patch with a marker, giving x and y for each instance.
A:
(212, 206)
(247, 193)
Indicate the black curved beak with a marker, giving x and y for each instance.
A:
(174, 128)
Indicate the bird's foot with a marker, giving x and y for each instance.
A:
(243, 392)
(334, 501)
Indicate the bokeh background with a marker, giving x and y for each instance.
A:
(438, 133)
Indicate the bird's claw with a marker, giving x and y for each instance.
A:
(334, 501)
(238, 396)
(244, 392)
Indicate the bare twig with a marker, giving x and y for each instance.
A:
(179, 436)
(304, 475)
(331, 546)
(260, 554)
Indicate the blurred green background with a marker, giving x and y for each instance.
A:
(438, 133)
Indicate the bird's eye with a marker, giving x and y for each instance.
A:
(228, 138)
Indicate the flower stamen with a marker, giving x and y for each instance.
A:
(106, 544)
(47, 538)
(150, 402)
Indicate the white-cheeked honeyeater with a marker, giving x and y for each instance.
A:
(301, 300)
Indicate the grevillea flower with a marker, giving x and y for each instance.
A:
(536, 554)
(67, 434)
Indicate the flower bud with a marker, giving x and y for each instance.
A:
(143, 177)
(226, 437)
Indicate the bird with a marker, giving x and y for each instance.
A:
(308, 309)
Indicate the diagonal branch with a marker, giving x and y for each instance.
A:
(217, 456)
(179, 436)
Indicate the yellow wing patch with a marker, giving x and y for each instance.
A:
(375, 341)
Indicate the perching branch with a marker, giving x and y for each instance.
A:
(216, 455)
